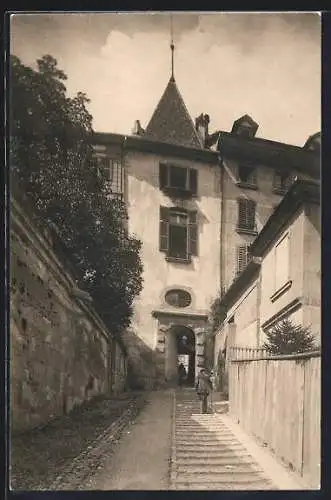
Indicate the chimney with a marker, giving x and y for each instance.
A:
(201, 126)
(137, 128)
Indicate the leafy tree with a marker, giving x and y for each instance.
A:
(52, 160)
(288, 338)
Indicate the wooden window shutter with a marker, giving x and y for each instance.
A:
(251, 214)
(243, 257)
(192, 239)
(193, 180)
(246, 213)
(163, 175)
(164, 229)
(242, 208)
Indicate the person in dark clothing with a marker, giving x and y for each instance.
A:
(203, 388)
(181, 374)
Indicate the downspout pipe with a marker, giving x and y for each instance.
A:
(220, 162)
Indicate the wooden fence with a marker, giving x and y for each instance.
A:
(239, 353)
(277, 399)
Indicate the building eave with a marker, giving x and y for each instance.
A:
(243, 280)
(301, 191)
(147, 145)
(271, 153)
(157, 313)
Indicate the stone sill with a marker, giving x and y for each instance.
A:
(246, 185)
(173, 192)
(177, 260)
(281, 290)
(242, 230)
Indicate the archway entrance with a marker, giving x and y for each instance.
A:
(180, 350)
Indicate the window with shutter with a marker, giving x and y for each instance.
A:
(193, 181)
(163, 175)
(112, 171)
(246, 215)
(282, 182)
(192, 239)
(164, 229)
(247, 176)
(243, 257)
(182, 180)
(178, 233)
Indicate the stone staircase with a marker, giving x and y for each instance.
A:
(205, 453)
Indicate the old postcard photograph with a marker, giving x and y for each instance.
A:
(164, 251)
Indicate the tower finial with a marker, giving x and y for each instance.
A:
(172, 46)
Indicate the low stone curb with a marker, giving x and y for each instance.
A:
(173, 458)
(73, 476)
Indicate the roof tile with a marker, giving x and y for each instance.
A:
(171, 121)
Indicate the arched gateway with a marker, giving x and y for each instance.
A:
(180, 339)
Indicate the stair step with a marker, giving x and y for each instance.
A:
(205, 431)
(214, 460)
(205, 438)
(207, 444)
(239, 478)
(211, 454)
(222, 469)
(221, 486)
(189, 446)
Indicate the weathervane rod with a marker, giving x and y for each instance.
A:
(172, 46)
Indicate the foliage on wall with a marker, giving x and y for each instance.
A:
(217, 313)
(288, 338)
(51, 159)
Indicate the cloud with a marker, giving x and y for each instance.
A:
(226, 64)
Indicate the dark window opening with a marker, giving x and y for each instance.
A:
(177, 242)
(24, 324)
(178, 233)
(112, 172)
(183, 179)
(282, 182)
(244, 131)
(247, 175)
(178, 177)
(246, 214)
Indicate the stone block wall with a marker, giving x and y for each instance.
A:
(60, 352)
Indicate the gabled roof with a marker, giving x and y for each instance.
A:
(171, 121)
(245, 122)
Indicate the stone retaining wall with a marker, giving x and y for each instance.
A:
(61, 353)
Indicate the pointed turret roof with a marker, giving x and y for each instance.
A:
(171, 121)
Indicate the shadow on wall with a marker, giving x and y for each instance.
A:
(149, 172)
(144, 365)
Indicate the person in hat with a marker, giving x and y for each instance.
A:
(204, 388)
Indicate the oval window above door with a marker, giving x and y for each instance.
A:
(178, 298)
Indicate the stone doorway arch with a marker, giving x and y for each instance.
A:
(180, 347)
(166, 347)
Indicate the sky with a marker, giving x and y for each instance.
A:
(267, 65)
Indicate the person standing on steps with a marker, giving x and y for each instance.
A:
(181, 375)
(204, 388)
